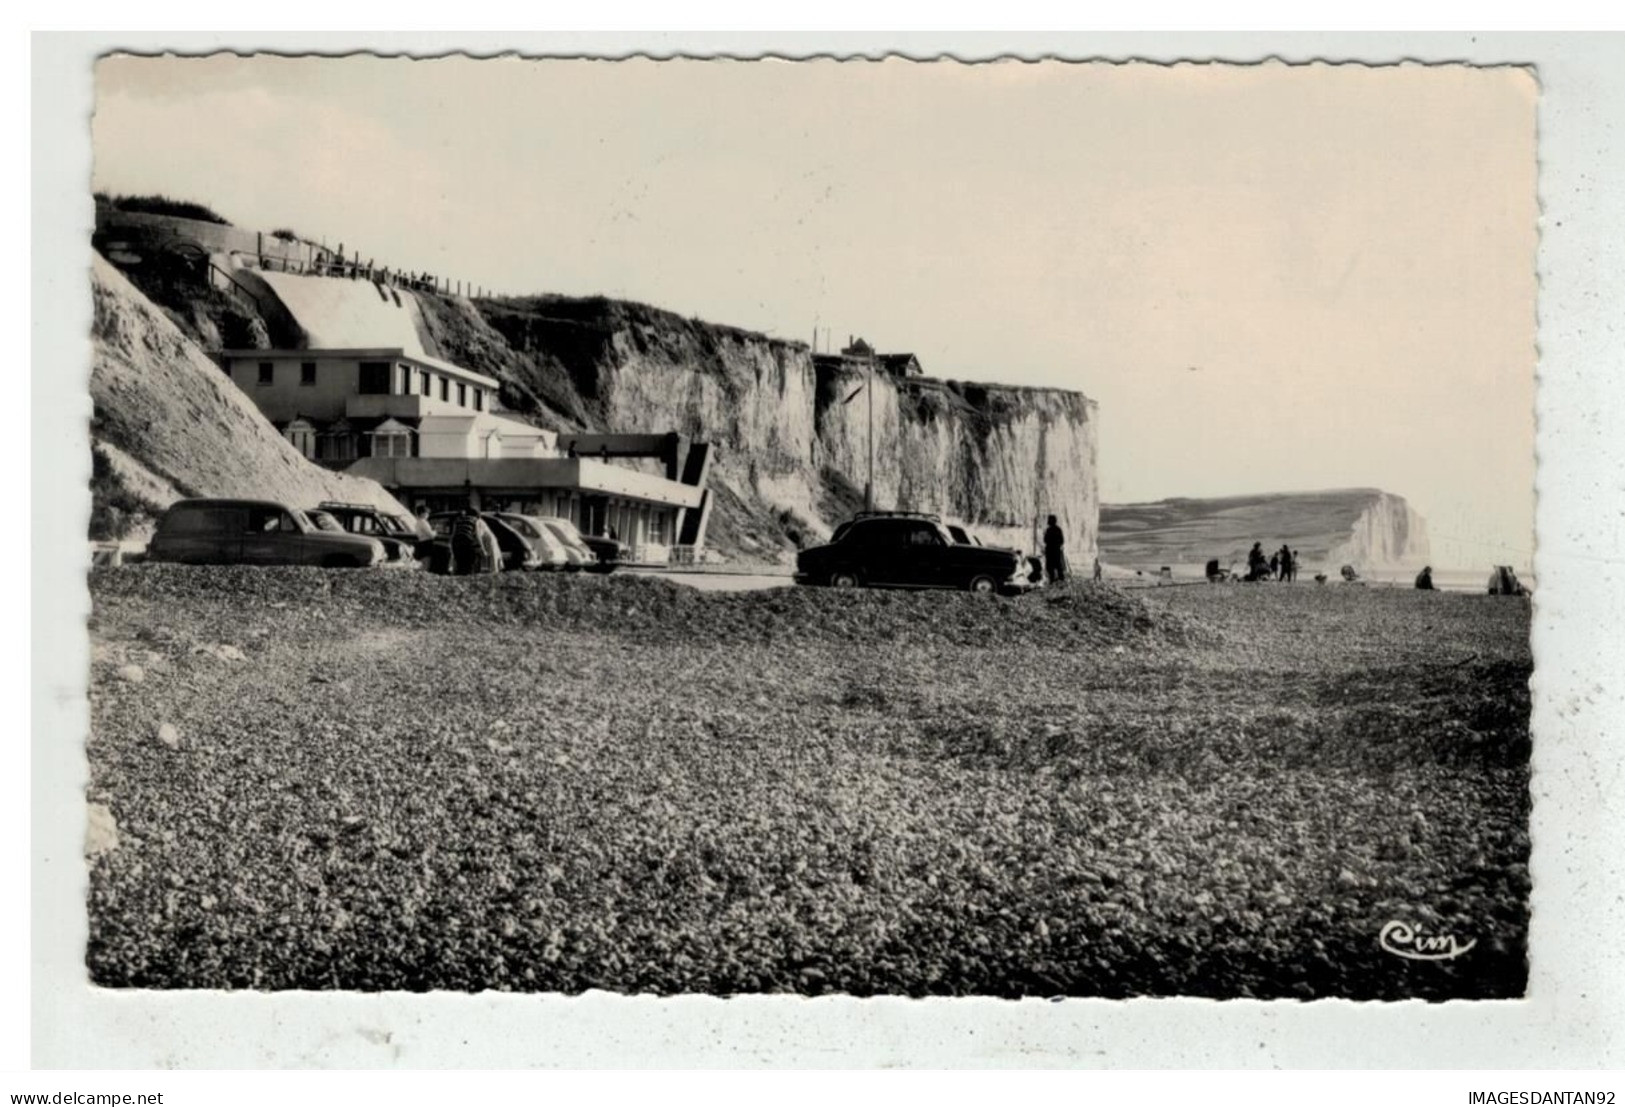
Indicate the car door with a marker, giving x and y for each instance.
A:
(928, 562)
(271, 537)
(882, 550)
(205, 535)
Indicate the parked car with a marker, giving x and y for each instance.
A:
(323, 520)
(1034, 566)
(255, 532)
(580, 557)
(896, 549)
(549, 550)
(607, 552)
(399, 536)
(517, 550)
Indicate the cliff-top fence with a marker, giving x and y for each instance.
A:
(124, 235)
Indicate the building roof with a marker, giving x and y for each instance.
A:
(577, 474)
(391, 353)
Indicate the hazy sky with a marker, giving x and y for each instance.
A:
(1270, 277)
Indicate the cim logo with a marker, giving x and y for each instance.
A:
(1402, 940)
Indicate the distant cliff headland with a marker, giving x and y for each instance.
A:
(1364, 527)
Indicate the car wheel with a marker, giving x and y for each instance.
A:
(983, 585)
(844, 578)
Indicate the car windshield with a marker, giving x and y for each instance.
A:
(543, 535)
(301, 520)
(564, 529)
(324, 521)
(521, 524)
(395, 524)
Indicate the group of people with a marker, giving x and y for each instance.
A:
(1280, 565)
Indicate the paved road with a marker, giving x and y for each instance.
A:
(720, 582)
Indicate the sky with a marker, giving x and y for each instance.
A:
(1270, 277)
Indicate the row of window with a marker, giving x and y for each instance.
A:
(375, 381)
(344, 446)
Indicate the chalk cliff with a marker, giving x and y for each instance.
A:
(792, 457)
(1364, 527)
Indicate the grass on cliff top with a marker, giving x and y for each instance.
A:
(393, 781)
(159, 204)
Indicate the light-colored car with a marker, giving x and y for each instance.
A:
(255, 532)
(580, 556)
(550, 551)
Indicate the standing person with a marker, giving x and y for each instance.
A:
(1294, 564)
(1097, 568)
(490, 548)
(425, 529)
(1054, 551)
(1286, 562)
(466, 546)
(1275, 564)
(1257, 563)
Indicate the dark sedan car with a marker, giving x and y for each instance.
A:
(609, 551)
(254, 532)
(901, 550)
(399, 538)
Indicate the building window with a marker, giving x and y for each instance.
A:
(392, 445)
(406, 380)
(425, 382)
(340, 447)
(374, 378)
(479, 399)
(462, 395)
(267, 372)
(307, 372)
(445, 389)
(303, 437)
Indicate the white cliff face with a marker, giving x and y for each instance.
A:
(1388, 534)
(998, 459)
(994, 458)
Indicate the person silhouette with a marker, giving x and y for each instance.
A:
(1054, 551)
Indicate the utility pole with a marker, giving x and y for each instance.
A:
(869, 489)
